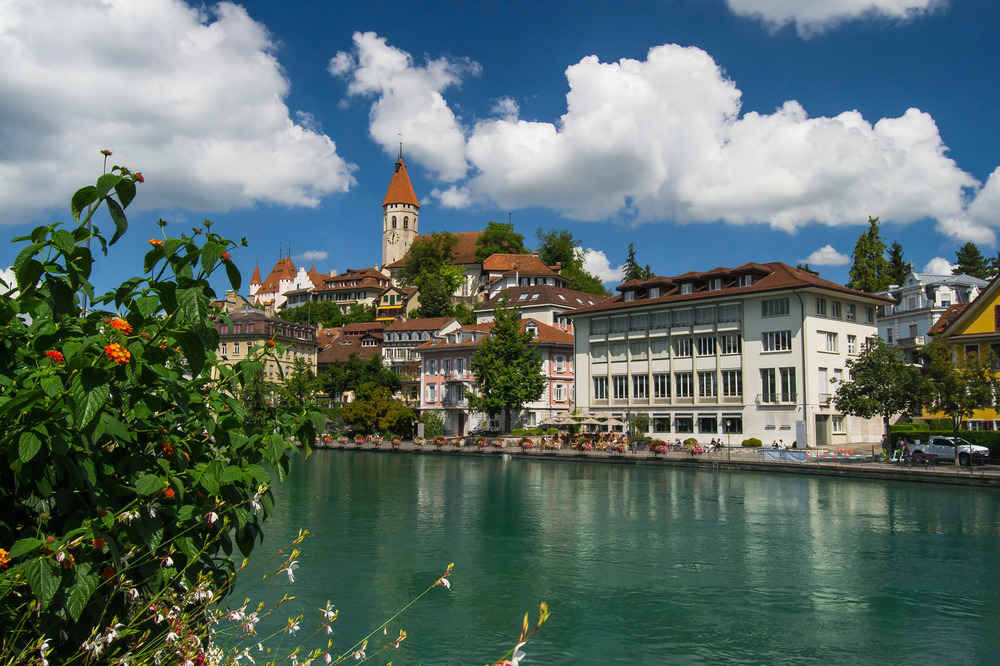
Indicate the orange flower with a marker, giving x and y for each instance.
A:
(226, 255)
(107, 573)
(121, 325)
(117, 353)
(106, 152)
(138, 177)
(169, 493)
(155, 242)
(168, 448)
(56, 356)
(270, 343)
(68, 561)
(99, 543)
(4, 559)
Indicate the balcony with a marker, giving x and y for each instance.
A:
(910, 343)
(455, 403)
(777, 398)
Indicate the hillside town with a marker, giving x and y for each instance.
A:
(728, 353)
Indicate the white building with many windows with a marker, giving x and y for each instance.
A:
(751, 351)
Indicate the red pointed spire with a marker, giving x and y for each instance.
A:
(400, 188)
(256, 275)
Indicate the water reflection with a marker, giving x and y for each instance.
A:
(642, 564)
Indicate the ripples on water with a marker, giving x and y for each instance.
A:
(641, 565)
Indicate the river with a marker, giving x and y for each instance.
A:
(639, 564)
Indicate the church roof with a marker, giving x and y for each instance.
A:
(400, 189)
(283, 270)
(463, 254)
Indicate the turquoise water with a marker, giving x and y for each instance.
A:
(639, 565)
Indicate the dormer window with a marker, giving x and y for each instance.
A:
(628, 296)
(533, 330)
(715, 284)
(654, 292)
(745, 280)
(687, 288)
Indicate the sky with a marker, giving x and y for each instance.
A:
(706, 132)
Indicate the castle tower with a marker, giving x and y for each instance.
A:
(400, 210)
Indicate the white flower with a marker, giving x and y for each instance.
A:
(327, 658)
(328, 612)
(292, 566)
(167, 561)
(237, 616)
(113, 634)
(292, 627)
(446, 583)
(211, 517)
(518, 654)
(44, 648)
(133, 594)
(172, 637)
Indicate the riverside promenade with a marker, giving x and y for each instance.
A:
(819, 462)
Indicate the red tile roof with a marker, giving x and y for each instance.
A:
(425, 324)
(548, 295)
(463, 253)
(283, 270)
(256, 275)
(546, 335)
(946, 318)
(400, 189)
(525, 264)
(773, 276)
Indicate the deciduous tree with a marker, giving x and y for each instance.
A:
(559, 246)
(507, 367)
(374, 410)
(499, 238)
(870, 270)
(881, 383)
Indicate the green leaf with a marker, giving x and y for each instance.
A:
(106, 182)
(28, 275)
(90, 392)
(259, 474)
(194, 350)
(147, 305)
(22, 547)
(81, 199)
(125, 189)
(29, 446)
(186, 546)
(85, 584)
(51, 385)
(149, 484)
(118, 215)
(193, 303)
(43, 576)
(210, 254)
(116, 427)
(210, 483)
(64, 241)
(235, 279)
(231, 474)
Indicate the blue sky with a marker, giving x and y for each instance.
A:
(706, 132)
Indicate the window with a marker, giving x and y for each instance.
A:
(560, 393)
(682, 347)
(599, 327)
(638, 322)
(560, 363)
(888, 335)
(599, 352)
(708, 423)
(225, 350)
(869, 315)
(431, 394)
(911, 302)
(852, 312)
(732, 425)
(619, 324)
(637, 348)
(660, 320)
(913, 330)
(236, 349)
(431, 367)
(620, 386)
(707, 385)
(768, 385)
(706, 345)
(618, 350)
(704, 316)
(654, 292)
(640, 386)
(684, 424)
(787, 384)
(821, 307)
(730, 313)
(775, 307)
(746, 280)
(681, 318)
(828, 341)
(660, 347)
(732, 383)
(972, 350)
(224, 328)
(600, 388)
(661, 385)
(406, 223)
(687, 288)
(835, 309)
(838, 424)
(974, 424)
(776, 340)
(460, 368)
(236, 328)
(661, 423)
(628, 296)
(393, 221)
(684, 384)
(446, 366)
(852, 344)
(714, 284)
(996, 317)
(731, 344)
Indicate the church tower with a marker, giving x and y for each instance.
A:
(400, 210)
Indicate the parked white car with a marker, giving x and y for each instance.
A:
(944, 449)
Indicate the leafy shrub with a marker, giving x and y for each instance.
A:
(690, 441)
(552, 432)
(518, 432)
(433, 425)
(752, 442)
(129, 471)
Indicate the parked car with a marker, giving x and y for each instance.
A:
(944, 449)
(484, 429)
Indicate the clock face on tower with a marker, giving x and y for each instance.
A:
(393, 238)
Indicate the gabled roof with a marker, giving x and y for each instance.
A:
(546, 335)
(946, 319)
(463, 253)
(425, 324)
(967, 315)
(400, 188)
(772, 276)
(525, 264)
(283, 270)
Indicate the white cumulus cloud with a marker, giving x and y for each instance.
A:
(938, 266)
(192, 99)
(812, 17)
(827, 256)
(597, 264)
(409, 101)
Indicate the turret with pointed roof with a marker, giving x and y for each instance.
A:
(400, 211)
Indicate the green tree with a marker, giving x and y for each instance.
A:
(465, 314)
(429, 267)
(347, 375)
(507, 368)
(956, 383)
(899, 268)
(301, 385)
(881, 383)
(633, 271)
(969, 260)
(559, 246)
(435, 300)
(129, 472)
(326, 313)
(257, 398)
(374, 410)
(433, 424)
(807, 268)
(870, 270)
(640, 424)
(499, 238)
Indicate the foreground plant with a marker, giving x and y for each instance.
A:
(130, 476)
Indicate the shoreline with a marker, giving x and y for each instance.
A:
(732, 459)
